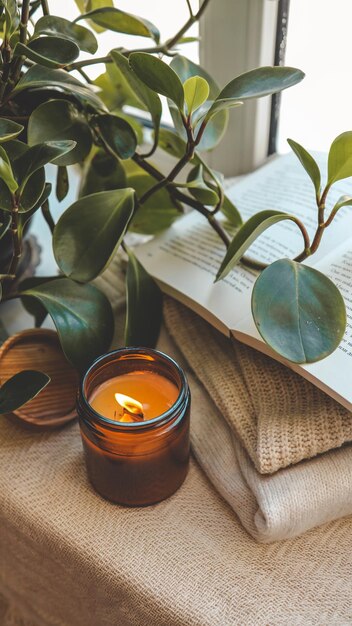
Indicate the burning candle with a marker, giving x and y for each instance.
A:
(133, 407)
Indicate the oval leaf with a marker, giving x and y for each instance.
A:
(144, 306)
(158, 213)
(102, 173)
(121, 22)
(49, 51)
(21, 388)
(37, 156)
(298, 311)
(9, 129)
(309, 164)
(254, 227)
(117, 134)
(196, 91)
(57, 120)
(262, 81)
(147, 97)
(89, 232)
(52, 25)
(82, 315)
(340, 158)
(158, 76)
(39, 77)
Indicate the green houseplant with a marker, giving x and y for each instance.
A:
(47, 114)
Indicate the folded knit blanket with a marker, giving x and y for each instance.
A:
(250, 412)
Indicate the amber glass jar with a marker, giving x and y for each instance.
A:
(138, 463)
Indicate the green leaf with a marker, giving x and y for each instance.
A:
(6, 173)
(245, 236)
(39, 77)
(37, 156)
(231, 212)
(117, 134)
(172, 144)
(82, 315)
(146, 96)
(198, 188)
(155, 215)
(60, 120)
(144, 306)
(158, 76)
(9, 129)
(102, 173)
(342, 201)
(122, 22)
(90, 5)
(21, 388)
(49, 51)
(52, 25)
(340, 158)
(32, 191)
(262, 81)
(88, 234)
(11, 16)
(216, 126)
(62, 183)
(298, 311)
(5, 224)
(309, 164)
(196, 91)
(33, 306)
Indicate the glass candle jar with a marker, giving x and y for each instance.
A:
(145, 459)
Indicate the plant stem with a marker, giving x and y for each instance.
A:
(162, 48)
(189, 8)
(24, 20)
(16, 238)
(45, 7)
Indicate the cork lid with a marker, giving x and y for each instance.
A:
(40, 349)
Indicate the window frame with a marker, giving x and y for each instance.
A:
(245, 31)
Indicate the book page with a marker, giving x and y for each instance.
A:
(187, 257)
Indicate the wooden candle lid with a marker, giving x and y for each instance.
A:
(40, 349)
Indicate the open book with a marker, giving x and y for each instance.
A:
(185, 259)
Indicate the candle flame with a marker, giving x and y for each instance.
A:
(130, 406)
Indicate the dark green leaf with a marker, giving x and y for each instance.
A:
(262, 81)
(144, 306)
(148, 97)
(172, 144)
(245, 236)
(49, 51)
(37, 156)
(41, 77)
(158, 213)
(11, 16)
(57, 120)
(62, 183)
(298, 311)
(53, 25)
(33, 306)
(32, 191)
(115, 90)
(21, 388)
(88, 234)
(340, 158)
(6, 173)
(90, 5)
(82, 315)
(117, 134)
(158, 76)
(25, 216)
(9, 129)
(121, 22)
(309, 164)
(198, 188)
(102, 173)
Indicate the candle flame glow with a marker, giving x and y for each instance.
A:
(130, 405)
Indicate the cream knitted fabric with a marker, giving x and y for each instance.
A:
(279, 417)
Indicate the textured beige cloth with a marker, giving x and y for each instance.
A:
(70, 558)
(279, 417)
